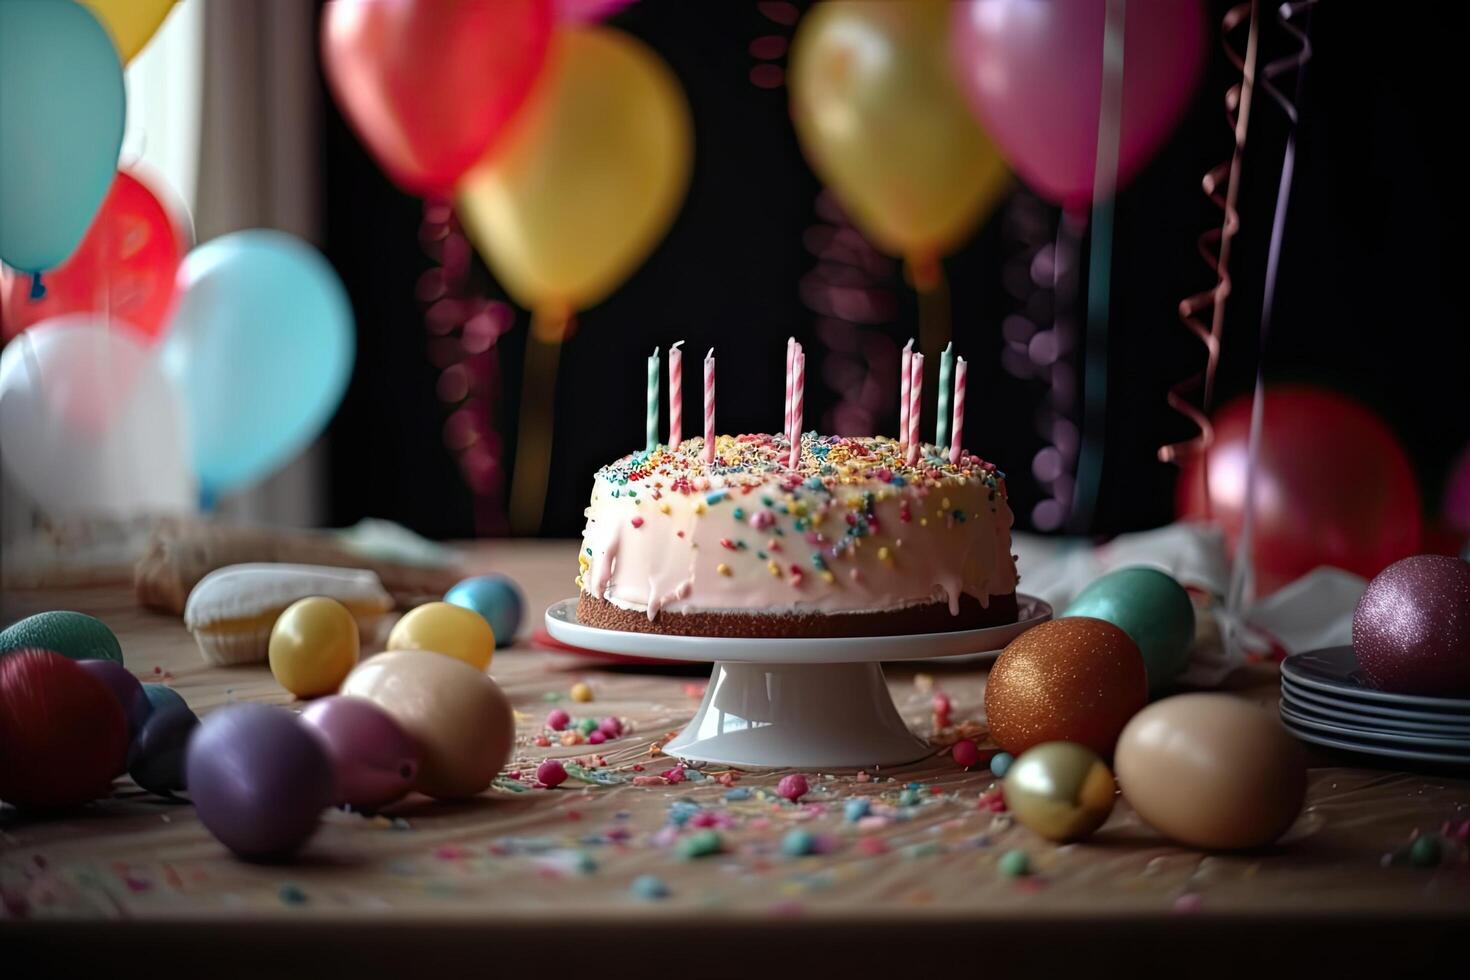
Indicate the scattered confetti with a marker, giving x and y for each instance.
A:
(1014, 864)
(650, 888)
(793, 787)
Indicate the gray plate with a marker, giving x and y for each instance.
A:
(1335, 671)
(1372, 716)
(1385, 751)
(1355, 733)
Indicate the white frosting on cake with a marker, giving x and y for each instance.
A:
(851, 529)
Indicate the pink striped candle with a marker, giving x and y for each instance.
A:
(957, 427)
(790, 359)
(916, 404)
(709, 406)
(903, 392)
(676, 395)
(798, 396)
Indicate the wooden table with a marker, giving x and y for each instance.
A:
(542, 878)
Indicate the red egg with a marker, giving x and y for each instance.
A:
(63, 735)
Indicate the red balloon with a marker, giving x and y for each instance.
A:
(430, 86)
(124, 268)
(63, 735)
(1333, 486)
(1032, 73)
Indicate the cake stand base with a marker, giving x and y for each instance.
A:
(801, 714)
(813, 703)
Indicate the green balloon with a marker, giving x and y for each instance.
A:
(74, 635)
(1153, 609)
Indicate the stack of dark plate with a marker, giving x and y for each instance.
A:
(1326, 700)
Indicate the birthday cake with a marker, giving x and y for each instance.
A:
(853, 537)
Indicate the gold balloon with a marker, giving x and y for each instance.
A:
(130, 23)
(884, 124)
(1060, 790)
(591, 179)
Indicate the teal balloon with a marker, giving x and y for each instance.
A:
(61, 127)
(494, 597)
(261, 348)
(1153, 609)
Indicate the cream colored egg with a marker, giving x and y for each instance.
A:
(460, 718)
(1212, 771)
(441, 627)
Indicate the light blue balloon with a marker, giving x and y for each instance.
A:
(61, 127)
(494, 597)
(261, 349)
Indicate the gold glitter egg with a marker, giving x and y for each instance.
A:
(1075, 679)
(1060, 790)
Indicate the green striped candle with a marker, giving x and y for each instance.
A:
(946, 368)
(651, 427)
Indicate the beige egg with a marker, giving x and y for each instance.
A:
(460, 718)
(1212, 771)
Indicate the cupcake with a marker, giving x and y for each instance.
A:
(232, 609)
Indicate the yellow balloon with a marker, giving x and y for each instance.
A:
(130, 22)
(441, 627)
(590, 180)
(884, 125)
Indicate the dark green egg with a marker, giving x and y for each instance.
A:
(72, 634)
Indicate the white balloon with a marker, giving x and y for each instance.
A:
(89, 423)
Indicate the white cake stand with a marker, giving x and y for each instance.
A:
(818, 703)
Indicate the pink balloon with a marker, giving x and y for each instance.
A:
(1032, 72)
(588, 11)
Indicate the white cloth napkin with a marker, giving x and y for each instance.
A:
(1313, 612)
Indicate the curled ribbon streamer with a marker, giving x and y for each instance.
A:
(463, 329)
(1240, 577)
(1214, 245)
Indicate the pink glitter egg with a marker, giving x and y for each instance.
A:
(1411, 630)
(792, 787)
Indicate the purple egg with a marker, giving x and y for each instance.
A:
(156, 759)
(376, 760)
(1411, 630)
(259, 779)
(125, 687)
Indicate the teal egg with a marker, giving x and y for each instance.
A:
(164, 698)
(496, 598)
(74, 635)
(1153, 609)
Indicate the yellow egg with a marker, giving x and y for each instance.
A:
(313, 646)
(440, 627)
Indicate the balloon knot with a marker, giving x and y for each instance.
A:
(38, 288)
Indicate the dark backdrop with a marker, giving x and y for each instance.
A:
(1364, 304)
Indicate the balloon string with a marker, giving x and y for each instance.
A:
(1241, 583)
(1214, 247)
(1100, 272)
(532, 471)
(38, 288)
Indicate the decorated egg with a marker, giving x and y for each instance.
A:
(1212, 771)
(496, 598)
(377, 762)
(63, 735)
(1411, 629)
(1060, 790)
(259, 780)
(1153, 609)
(441, 627)
(313, 646)
(459, 717)
(71, 634)
(125, 687)
(1068, 680)
(156, 759)
(162, 696)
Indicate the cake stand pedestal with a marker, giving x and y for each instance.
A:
(811, 703)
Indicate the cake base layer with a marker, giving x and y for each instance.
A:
(930, 618)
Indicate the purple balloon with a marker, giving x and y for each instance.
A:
(376, 760)
(1032, 73)
(125, 687)
(1411, 630)
(259, 779)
